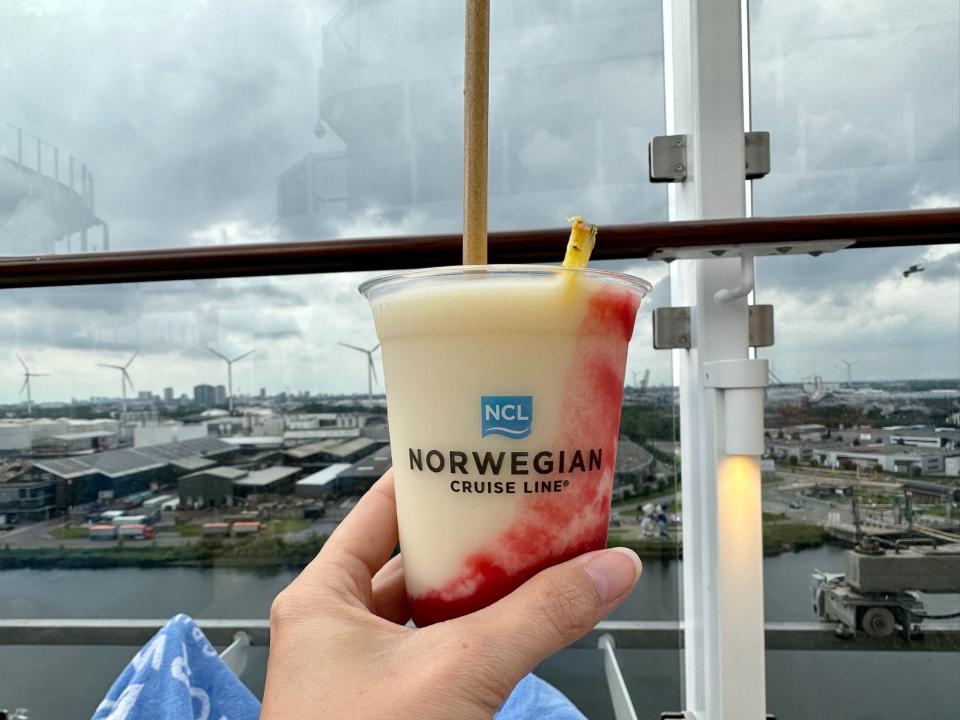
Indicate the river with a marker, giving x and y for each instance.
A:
(67, 682)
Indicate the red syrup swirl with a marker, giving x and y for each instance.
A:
(554, 527)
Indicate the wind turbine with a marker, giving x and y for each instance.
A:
(26, 383)
(230, 362)
(849, 365)
(124, 377)
(371, 368)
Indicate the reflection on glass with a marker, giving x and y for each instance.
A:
(314, 120)
(861, 104)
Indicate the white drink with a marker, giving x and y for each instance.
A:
(504, 387)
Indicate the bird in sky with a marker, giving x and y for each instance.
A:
(912, 269)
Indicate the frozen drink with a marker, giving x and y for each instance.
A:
(504, 386)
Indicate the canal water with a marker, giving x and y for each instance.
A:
(62, 683)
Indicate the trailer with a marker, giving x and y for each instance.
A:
(242, 528)
(215, 529)
(102, 532)
(137, 531)
(130, 520)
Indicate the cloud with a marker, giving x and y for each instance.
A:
(188, 113)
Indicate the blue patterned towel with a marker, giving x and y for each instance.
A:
(179, 675)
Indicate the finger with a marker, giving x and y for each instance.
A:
(551, 610)
(390, 593)
(363, 541)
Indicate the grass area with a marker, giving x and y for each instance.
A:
(275, 528)
(71, 533)
(185, 529)
(784, 536)
(773, 517)
(282, 527)
(778, 536)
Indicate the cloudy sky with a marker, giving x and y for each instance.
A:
(189, 113)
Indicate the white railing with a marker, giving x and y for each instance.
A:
(36, 155)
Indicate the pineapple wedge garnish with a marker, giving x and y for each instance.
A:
(583, 236)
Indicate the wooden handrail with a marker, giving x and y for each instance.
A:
(887, 229)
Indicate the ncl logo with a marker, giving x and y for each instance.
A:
(508, 415)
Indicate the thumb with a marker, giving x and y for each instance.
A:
(554, 608)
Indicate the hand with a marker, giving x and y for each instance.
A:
(339, 647)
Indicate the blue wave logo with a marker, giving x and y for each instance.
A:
(510, 416)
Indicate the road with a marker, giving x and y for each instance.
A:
(40, 535)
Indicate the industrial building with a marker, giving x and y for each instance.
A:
(798, 432)
(361, 475)
(20, 436)
(890, 458)
(275, 480)
(210, 488)
(84, 477)
(28, 500)
(159, 434)
(220, 486)
(320, 483)
(325, 452)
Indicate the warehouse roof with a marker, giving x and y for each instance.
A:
(304, 451)
(228, 473)
(325, 476)
(192, 463)
(267, 476)
(372, 466)
(116, 463)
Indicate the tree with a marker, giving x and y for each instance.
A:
(840, 438)
(792, 460)
(856, 441)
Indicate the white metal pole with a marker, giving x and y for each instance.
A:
(723, 596)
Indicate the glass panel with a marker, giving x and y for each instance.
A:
(266, 122)
(177, 456)
(861, 103)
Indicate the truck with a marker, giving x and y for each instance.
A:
(215, 529)
(102, 532)
(247, 527)
(130, 520)
(136, 531)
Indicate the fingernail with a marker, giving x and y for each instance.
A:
(614, 572)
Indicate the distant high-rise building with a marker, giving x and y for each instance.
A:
(168, 394)
(263, 393)
(205, 395)
(221, 394)
(144, 395)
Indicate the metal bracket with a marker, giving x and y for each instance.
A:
(667, 157)
(787, 247)
(760, 325)
(757, 154)
(671, 328)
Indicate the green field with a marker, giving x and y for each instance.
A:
(71, 533)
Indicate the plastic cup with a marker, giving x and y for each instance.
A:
(504, 386)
